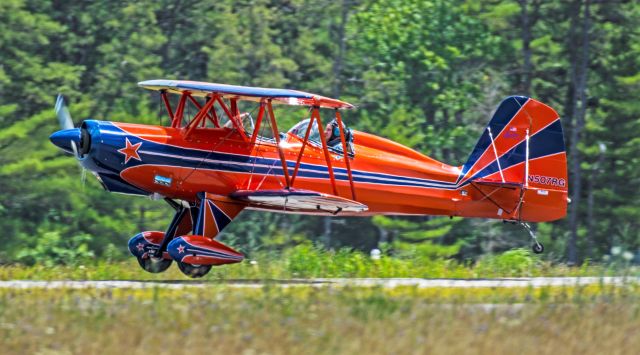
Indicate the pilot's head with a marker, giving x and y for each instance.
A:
(331, 131)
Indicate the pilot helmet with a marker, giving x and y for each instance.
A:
(335, 130)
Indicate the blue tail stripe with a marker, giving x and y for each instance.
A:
(503, 115)
(546, 142)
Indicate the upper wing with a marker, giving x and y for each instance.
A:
(299, 201)
(285, 96)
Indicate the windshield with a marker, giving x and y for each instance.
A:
(301, 129)
(247, 123)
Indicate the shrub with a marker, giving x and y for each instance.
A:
(512, 262)
(51, 249)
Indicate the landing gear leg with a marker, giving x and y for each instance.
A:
(181, 213)
(537, 247)
(150, 248)
(198, 252)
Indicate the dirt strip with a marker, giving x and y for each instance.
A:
(323, 282)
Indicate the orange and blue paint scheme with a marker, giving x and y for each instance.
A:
(210, 171)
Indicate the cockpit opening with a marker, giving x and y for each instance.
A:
(331, 134)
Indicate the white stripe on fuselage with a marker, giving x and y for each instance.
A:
(229, 162)
(444, 184)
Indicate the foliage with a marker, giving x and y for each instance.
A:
(51, 249)
(417, 239)
(512, 262)
(308, 261)
(424, 73)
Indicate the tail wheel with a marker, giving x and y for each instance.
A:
(154, 265)
(194, 271)
(537, 248)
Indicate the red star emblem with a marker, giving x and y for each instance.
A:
(140, 247)
(130, 151)
(181, 249)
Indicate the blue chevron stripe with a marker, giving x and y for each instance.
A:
(222, 220)
(545, 142)
(505, 112)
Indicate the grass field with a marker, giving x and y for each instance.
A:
(306, 261)
(220, 319)
(595, 319)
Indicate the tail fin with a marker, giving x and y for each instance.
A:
(523, 144)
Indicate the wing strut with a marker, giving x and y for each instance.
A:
(304, 144)
(177, 117)
(315, 118)
(495, 151)
(200, 116)
(526, 162)
(256, 129)
(206, 111)
(167, 105)
(345, 153)
(327, 156)
(235, 120)
(276, 136)
(213, 119)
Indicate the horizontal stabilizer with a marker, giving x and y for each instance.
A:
(298, 201)
(497, 183)
(504, 195)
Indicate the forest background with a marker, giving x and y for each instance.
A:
(425, 73)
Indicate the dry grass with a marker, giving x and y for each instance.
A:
(275, 320)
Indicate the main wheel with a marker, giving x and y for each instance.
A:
(194, 271)
(537, 248)
(154, 265)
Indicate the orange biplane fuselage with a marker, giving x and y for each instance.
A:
(517, 171)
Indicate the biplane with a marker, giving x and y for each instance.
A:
(213, 164)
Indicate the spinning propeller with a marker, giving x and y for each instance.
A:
(70, 139)
(76, 141)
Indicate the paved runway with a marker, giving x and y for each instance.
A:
(386, 283)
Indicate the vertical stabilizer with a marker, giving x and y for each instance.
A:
(523, 145)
